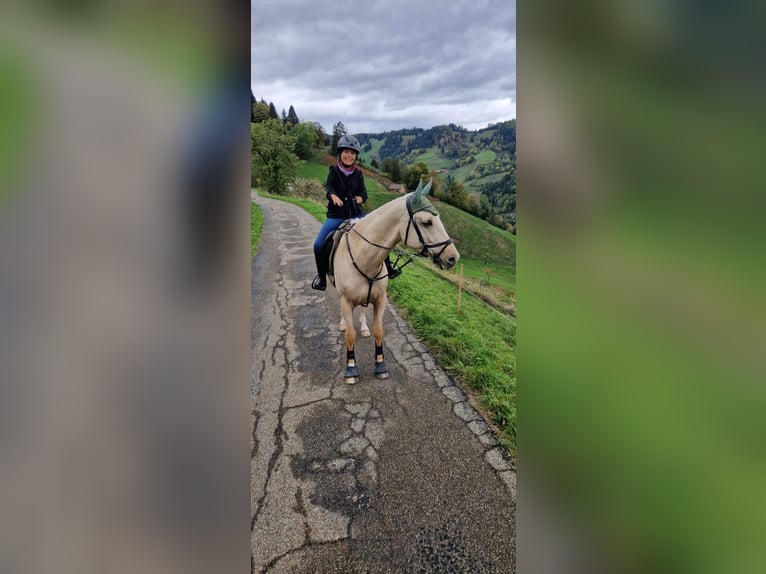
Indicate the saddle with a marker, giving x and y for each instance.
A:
(331, 244)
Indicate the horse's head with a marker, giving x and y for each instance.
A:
(430, 236)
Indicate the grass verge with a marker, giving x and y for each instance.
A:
(256, 226)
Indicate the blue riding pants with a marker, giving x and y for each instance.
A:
(328, 227)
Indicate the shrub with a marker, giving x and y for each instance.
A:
(308, 189)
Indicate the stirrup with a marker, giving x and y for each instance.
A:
(319, 283)
(394, 272)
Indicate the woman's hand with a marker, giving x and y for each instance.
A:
(359, 199)
(336, 200)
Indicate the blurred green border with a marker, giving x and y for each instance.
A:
(17, 123)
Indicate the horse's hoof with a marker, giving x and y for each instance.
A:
(381, 371)
(351, 375)
(366, 333)
(341, 327)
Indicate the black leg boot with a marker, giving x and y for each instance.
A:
(393, 272)
(320, 281)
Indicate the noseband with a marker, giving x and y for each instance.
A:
(414, 224)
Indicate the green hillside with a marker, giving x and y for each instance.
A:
(374, 151)
(482, 161)
(433, 159)
(459, 151)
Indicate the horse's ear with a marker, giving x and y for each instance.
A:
(419, 187)
(427, 188)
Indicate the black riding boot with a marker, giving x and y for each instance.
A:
(320, 281)
(393, 272)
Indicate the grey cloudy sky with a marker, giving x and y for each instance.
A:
(386, 64)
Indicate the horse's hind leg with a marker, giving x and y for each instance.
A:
(381, 371)
(351, 376)
(364, 330)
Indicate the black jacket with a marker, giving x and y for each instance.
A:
(346, 187)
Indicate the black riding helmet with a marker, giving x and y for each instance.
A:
(349, 142)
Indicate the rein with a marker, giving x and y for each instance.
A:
(370, 280)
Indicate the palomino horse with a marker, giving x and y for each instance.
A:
(359, 273)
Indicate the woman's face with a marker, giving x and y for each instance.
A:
(348, 156)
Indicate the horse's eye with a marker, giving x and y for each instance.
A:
(428, 223)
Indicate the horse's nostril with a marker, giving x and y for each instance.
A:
(451, 261)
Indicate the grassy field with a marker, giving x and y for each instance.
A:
(493, 284)
(477, 347)
(477, 239)
(367, 156)
(433, 160)
(474, 184)
(313, 170)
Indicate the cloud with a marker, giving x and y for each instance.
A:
(390, 65)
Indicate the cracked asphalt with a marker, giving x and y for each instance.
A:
(395, 475)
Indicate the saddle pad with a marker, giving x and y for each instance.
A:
(345, 227)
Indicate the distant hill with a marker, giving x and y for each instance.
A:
(473, 157)
(483, 160)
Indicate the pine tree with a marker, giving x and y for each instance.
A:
(338, 131)
(273, 111)
(292, 117)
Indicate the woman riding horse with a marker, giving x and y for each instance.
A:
(346, 193)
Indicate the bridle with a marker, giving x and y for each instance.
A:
(414, 224)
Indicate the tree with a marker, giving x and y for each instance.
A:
(457, 195)
(393, 168)
(259, 113)
(292, 117)
(274, 165)
(252, 107)
(273, 111)
(323, 138)
(414, 174)
(338, 131)
(374, 163)
(305, 139)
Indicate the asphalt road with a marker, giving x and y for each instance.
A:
(396, 475)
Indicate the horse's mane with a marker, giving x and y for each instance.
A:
(381, 211)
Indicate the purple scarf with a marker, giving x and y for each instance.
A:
(346, 171)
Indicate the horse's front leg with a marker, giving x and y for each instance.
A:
(351, 375)
(381, 371)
